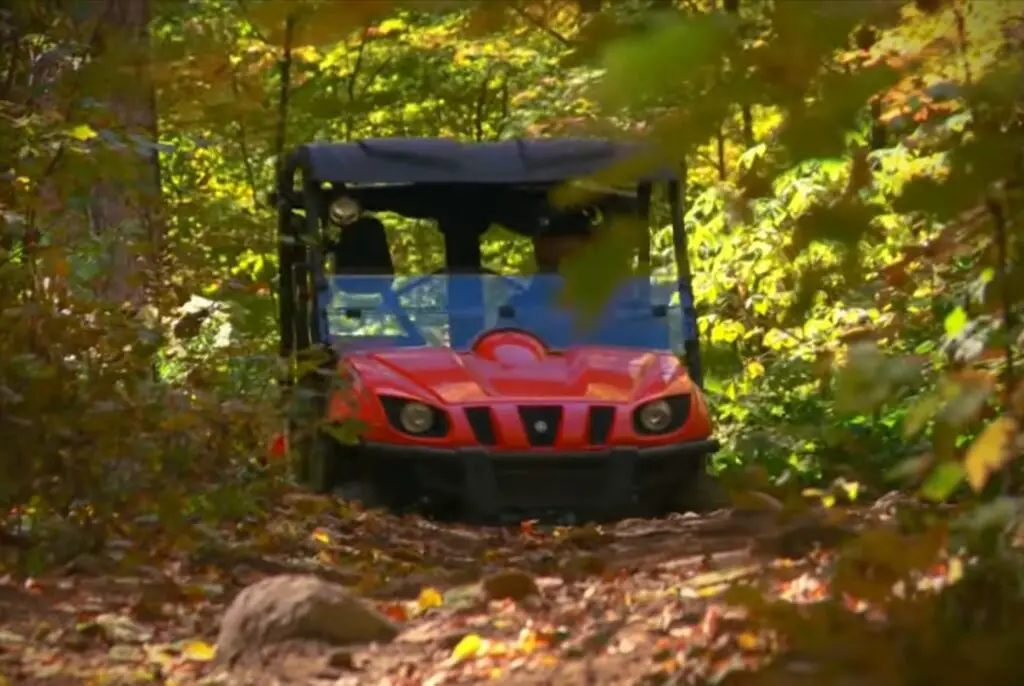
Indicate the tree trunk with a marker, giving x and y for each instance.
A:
(124, 202)
(733, 7)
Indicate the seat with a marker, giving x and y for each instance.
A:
(362, 249)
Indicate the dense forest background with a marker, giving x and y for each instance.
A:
(852, 190)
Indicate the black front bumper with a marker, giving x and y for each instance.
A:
(607, 484)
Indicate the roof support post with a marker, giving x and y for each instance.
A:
(691, 332)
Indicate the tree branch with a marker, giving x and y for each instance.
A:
(243, 144)
(1002, 244)
(505, 95)
(539, 24)
(351, 87)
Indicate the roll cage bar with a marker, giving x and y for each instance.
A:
(435, 178)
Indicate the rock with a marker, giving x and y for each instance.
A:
(341, 659)
(582, 566)
(118, 629)
(513, 584)
(124, 653)
(9, 638)
(292, 606)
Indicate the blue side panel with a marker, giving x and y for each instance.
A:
(465, 305)
(650, 333)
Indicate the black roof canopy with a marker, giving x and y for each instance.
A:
(445, 160)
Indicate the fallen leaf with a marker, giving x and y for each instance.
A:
(429, 597)
(395, 611)
(198, 651)
(123, 653)
(470, 646)
(748, 641)
(11, 638)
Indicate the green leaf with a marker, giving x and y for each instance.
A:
(920, 414)
(592, 277)
(955, 322)
(346, 433)
(820, 130)
(943, 480)
(685, 51)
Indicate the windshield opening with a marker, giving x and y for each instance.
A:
(453, 310)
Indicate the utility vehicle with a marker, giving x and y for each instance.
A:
(476, 393)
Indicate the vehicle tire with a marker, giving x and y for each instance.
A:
(391, 487)
(320, 470)
(700, 493)
(361, 491)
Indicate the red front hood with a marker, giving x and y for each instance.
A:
(610, 375)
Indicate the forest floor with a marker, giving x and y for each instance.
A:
(635, 602)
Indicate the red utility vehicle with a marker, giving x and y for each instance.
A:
(469, 392)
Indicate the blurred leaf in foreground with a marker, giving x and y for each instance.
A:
(991, 450)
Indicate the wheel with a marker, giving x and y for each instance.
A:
(700, 493)
(333, 467)
(322, 463)
(360, 491)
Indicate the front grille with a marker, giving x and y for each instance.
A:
(600, 424)
(541, 424)
(479, 419)
(553, 484)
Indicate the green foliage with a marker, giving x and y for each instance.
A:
(853, 202)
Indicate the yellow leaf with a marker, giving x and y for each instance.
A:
(990, 451)
(430, 597)
(321, 536)
(82, 132)
(467, 648)
(316, 23)
(956, 570)
(198, 651)
(755, 369)
(748, 641)
(528, 642)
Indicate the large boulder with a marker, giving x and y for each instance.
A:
(292, 607)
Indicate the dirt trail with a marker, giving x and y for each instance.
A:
(631, 602)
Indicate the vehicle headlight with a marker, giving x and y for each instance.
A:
(656, 416)
(416, 418)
